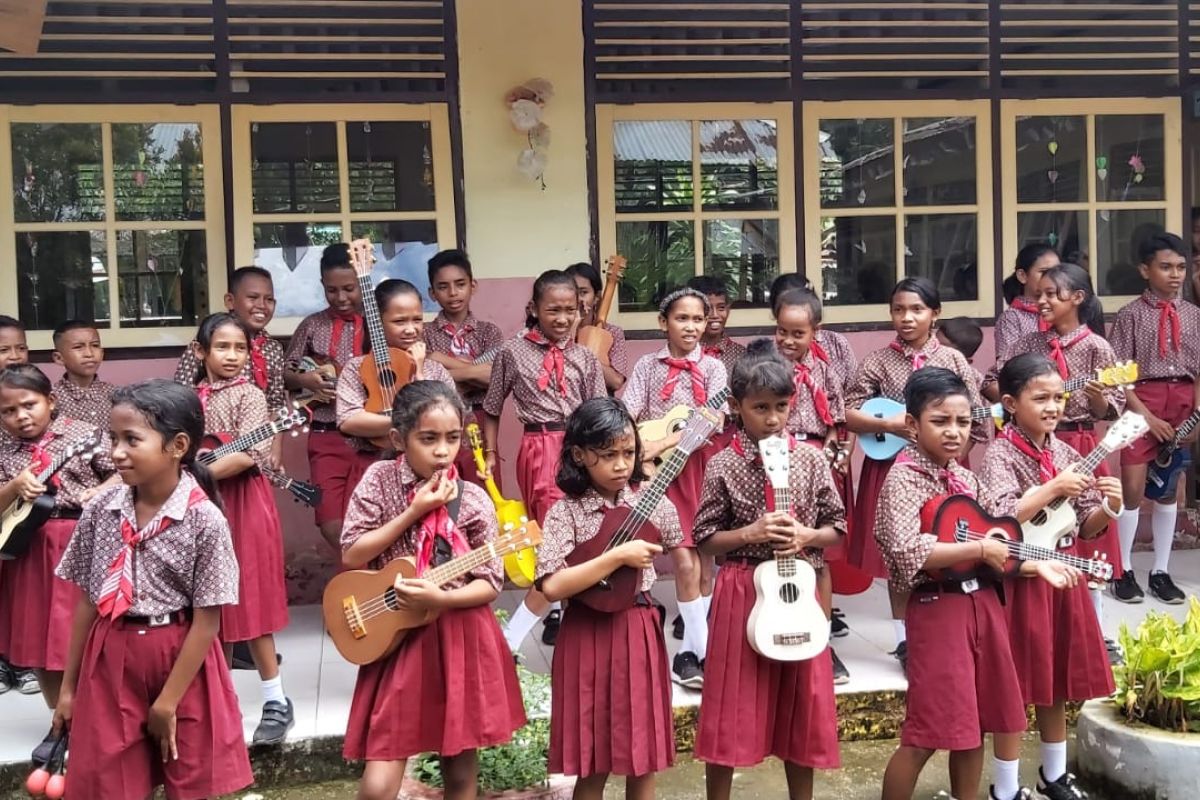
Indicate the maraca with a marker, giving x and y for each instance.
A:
(48, 779)
(56, 787)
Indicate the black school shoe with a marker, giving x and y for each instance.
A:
(277, 719)
(687, 671)
(677, 627)
(840, 673)
(901, 655)
(1115, 657)
(1065, 788)
(838, 627)
(550, 627)
(26, 681)
(1162, 587)
(1126, 588)
(8, 678)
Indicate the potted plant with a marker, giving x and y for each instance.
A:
(1159, 684)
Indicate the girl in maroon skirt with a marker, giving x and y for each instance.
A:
(611, 704)
(450, 687)
(35, 606)
(234, 407)
(146, 694)
(1056, 640)
(548, 375)
(753, 707)
(915, 307)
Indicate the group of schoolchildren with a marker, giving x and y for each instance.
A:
(160, 555)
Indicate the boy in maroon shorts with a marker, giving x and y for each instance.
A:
(962, 682)
(1161, 332)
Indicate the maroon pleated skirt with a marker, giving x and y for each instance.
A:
(862, 551)
(961, 679)
(36, 608)
(123, 671)
(684, 493)
(753, 707)
(1171, 401)
(1107, 543)
(844, 483)
(450, 686)
(258, 544)
(537, 466)
(1057, 645)
(611, 699)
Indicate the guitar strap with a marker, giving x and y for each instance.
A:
(442, 552)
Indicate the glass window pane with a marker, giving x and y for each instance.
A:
(1052, 159)
(744, 253)
(943, 248)
(1129, 157)
(402, 250)
(60, 276)
(294, 168)
(661, 256)
(291, 252)
(652, 165)
(158, 171)
(1119, 234)
(1066, 231)
(739, 165)
(391, 166)
(858, 162)
(58, 173)
(164, 278)
(939, 161)
(858, 259)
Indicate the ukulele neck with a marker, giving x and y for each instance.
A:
(457, 567)
(1186, 428)
(786, 565)
(1090, 463)
(372, 319)
(240, 444)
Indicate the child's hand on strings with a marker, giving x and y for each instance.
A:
(638, 554)
(1057, 574)
(1070, 483)
(1110, 489)
(994, 553)
(1161, 430)
(28, 486)
(414, 593)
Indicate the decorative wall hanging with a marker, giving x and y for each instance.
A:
(526, 104)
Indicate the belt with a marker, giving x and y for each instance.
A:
(66, 513)
(545, 427)
(967, 586)
(1188, 381)
(643, 599)
(156, 620)
(322, 427)
(1076, 426)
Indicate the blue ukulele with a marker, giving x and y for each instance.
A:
(882, 446)
(1163, 476)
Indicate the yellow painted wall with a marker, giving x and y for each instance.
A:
(514, 229)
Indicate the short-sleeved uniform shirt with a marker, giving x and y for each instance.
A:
(77, 475)
(517, 368)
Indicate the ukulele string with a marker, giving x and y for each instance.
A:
(378, 605)
(1084, 564)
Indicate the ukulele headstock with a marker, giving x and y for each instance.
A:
(518, 537)
(775, 458)
(86, 447)
(1100, 569)
(475, 436)
(614, 268)
(1123, 374)
(1125, 431)
(699, 427)
(289, 419)
(362, 256)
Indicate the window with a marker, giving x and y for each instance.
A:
(683, 194)
(1091, 178)
(896, 189)
(110, 218)
(310, 176)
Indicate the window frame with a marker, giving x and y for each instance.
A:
(208, 117)
(781, 113)
(1172, 202)
(244, 218)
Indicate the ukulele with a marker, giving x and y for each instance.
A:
(22, 519)
(360, 606)
(787, 623)
(594, 337)
(302, 492)
(675, 420)
(325, 367)
(385, 369)
(1049, 525)
(519, 566)
(1172, 460)
(619, 590)
(959, 518)
(222, 445)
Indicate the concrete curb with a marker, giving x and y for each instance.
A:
(1136, 762)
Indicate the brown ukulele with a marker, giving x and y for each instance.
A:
(360, 607)
(382, 377)
(594, 337)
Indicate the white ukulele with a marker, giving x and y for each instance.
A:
(1048, 526)
(787, 623)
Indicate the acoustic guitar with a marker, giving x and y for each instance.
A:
(22, 519)
(385, 370)
(1172, 460)
(520, 566)
(787, 622)
(594, 337)
(360, 606)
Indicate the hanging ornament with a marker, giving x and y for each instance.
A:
(1052, 239)
(862, 196)
(139, 175)
(532, 164)
(30, 180)
(1052, 175)
(1102, 167)
(1138, 167)
(525, 115)
(1104, 215)
(1052, 146)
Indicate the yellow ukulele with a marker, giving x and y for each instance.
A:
(519, 566)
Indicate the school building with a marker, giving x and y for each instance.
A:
(148, 147)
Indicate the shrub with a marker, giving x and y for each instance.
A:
(1159, 683)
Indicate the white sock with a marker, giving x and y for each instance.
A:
(556, 606)
(518, 627)
(900, 630)
(1054, 760)
(1162, 525)
(1098, 604)
(707, 598)
(1006, 779)
(1127, 525)
(695, 627)
(273, 690)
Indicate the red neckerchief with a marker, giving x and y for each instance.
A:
(258, 361)
(458, 339)
(1023, 303)
(434, 524)
(954, 484)
(553, 363)
(819, 352)
(339, 325)
(802, 376)
(1043, 456)
(678, 366)
(206, 390)
(40, 455)
(116, 594)
(916, 357)
(1058, 347)
(1168, 324)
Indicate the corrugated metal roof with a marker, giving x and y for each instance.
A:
(721, 141)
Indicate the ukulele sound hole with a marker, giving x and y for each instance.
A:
(389, 597)
(789, 593)
(387, 376)
(1039, 518)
